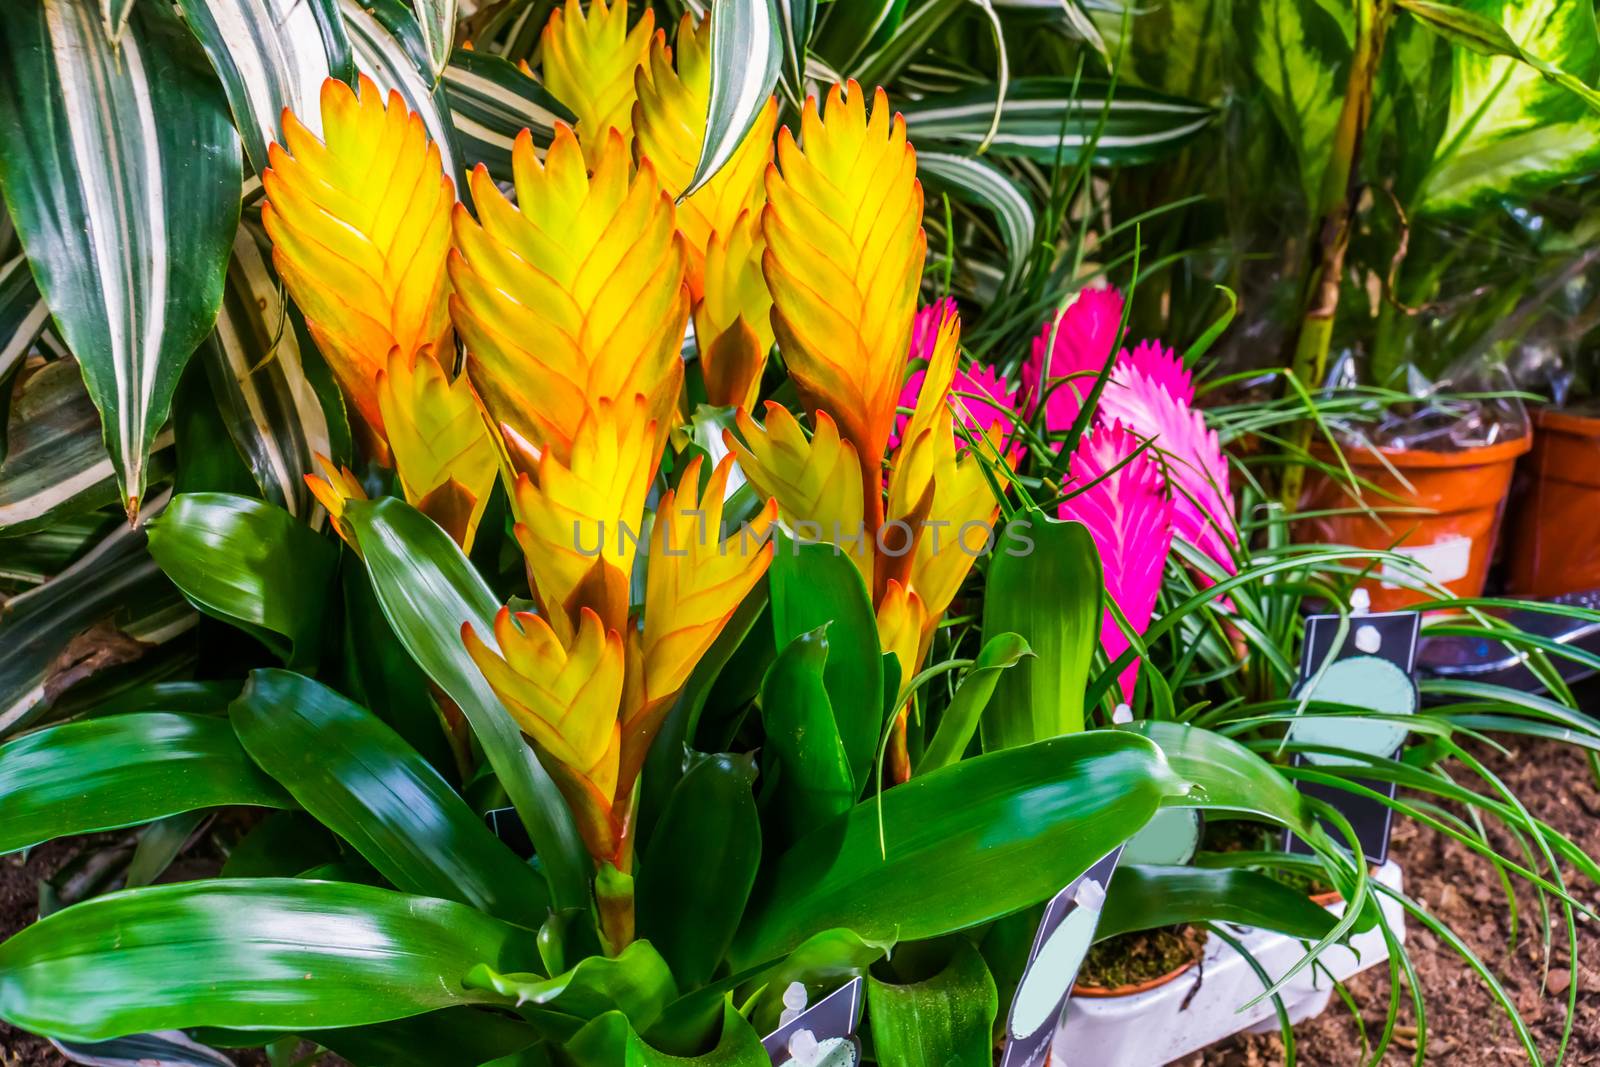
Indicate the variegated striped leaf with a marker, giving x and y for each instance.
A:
(491, 101)
(111, 607)
(437, 21)
(1071, 14)
(22, 314)
(122, 171)
(510, 29)
(271, 55)
(746, 58)
(849, 31)
(114, 16)
(273, 391)
(795, 21)
(55, 463)
(1041, 116)
(978, 182)
(389, 50)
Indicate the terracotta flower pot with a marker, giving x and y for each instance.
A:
(1464, 493)
(1554, 536)
(1135, 987)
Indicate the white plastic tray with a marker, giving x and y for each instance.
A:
(1202, 1005)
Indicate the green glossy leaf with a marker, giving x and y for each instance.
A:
(453, 1037)
(975, 181)
(54, 461)
(1044, 586)
(318, 954)
(1233, 779)
(961, 846)
(491, 101)
(427, 589)
(1299, 52)
(1522, 113)
(822, 961)
(122, 171)
(159, 844)
(271, 55)
(110, 608)
(609, 1041)
(695, 877)
(282, 845)
(1041, 118)
(249, 563)
(959, 723)
(1143, 898)
(946, 1019)
(814, 779)
(276, 397)
(123, 770)
(746, 59)
(382, 677)
(636, 983)
(816, 585)
(362, 781)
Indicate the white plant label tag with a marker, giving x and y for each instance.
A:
(1443, 561)
(1059, 946)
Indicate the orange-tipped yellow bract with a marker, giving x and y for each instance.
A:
(360, 227)
(845, 251)
(589, 60)
(844, 257)
(573, 296)
(572, 305)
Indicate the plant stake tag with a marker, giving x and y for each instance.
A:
(823, 1035)
(506, 824)
(1373, 669)
(1059, 947)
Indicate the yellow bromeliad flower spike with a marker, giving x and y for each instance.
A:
(592, 707)
(573, 296)
(669, 123)
(573, 306)
(844, 288)
(360, 231)
(733, 320)
(845, 251)
(360, 227)
(442, 451)
(589, 61)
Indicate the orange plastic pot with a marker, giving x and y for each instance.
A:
(1554, 534)
(1463, 494)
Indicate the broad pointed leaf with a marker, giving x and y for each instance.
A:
(271, 55)
(123, 770)
(319, 954)
(122, 171)
(427, 589)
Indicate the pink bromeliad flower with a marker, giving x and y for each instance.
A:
(1064, 373)
(980, 398)
(1152, 394)
(1125, 506)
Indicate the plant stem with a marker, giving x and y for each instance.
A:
(613, 894)
(1336, 206)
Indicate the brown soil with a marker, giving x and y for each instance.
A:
(1465, 1026)
(1133, 959)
